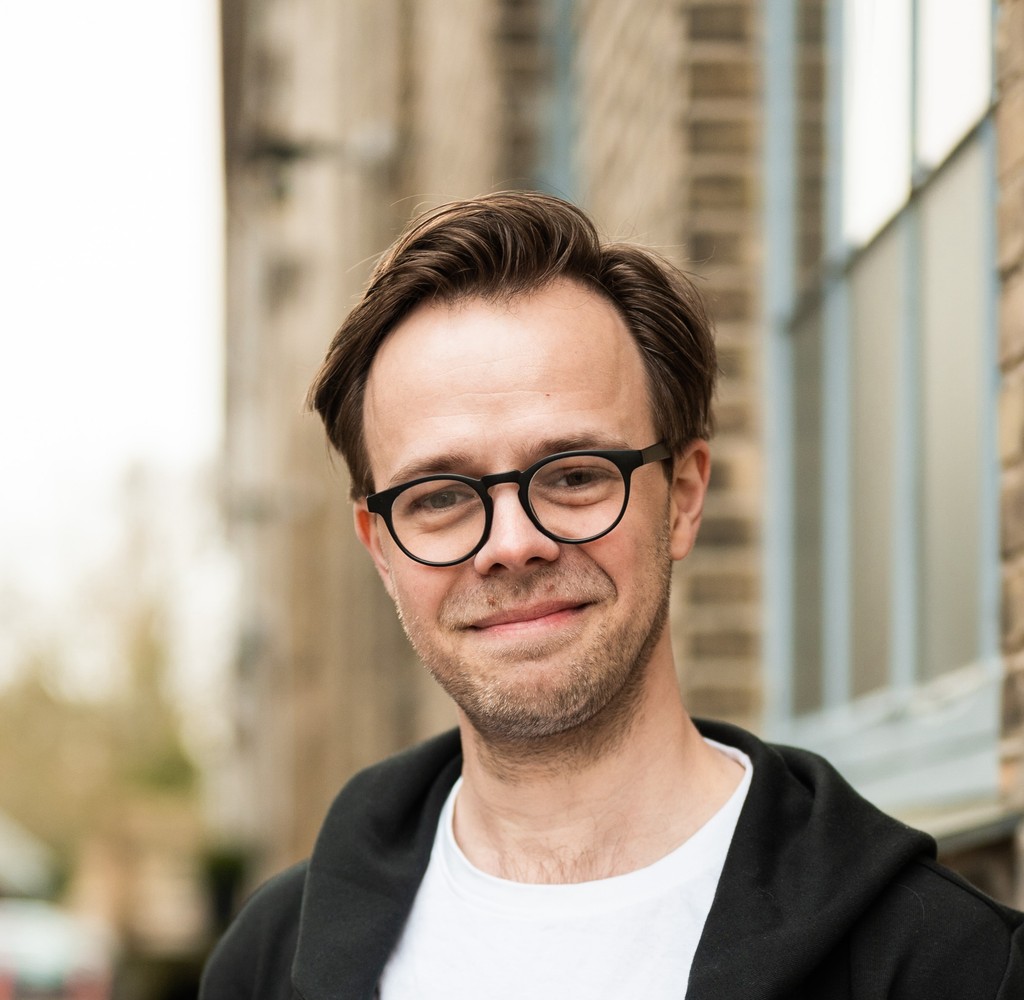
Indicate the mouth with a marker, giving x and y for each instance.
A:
(549, 613)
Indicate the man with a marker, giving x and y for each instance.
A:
(525, 412)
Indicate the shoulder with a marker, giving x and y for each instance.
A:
(404, 777)
(842, 888)
(931, 933)
(349, 900)
(255, 955)
(389, 807)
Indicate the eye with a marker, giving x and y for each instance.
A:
(577, 477)
(444, 499)
(428, 500)
(575, 482)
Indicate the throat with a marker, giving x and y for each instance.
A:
(560, 866)
(622, 815)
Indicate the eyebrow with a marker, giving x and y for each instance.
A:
(457, 462)
(432, 465)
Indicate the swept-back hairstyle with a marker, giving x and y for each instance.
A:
(497, 247)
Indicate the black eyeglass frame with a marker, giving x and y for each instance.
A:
(626, 460)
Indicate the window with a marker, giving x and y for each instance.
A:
(881, 291)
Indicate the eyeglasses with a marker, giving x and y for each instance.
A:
(572, 497)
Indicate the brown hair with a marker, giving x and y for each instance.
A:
(502, 245)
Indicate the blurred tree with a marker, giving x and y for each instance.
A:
(90, 736)
(71, 762)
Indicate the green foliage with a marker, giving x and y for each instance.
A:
(171, 771)
(74, 763)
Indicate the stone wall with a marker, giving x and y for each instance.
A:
(1010, 257)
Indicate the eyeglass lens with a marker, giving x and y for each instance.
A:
(572, 498)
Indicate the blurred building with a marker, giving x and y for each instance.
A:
(849, 179)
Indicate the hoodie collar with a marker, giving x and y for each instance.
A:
(808, 858)
(796, 878)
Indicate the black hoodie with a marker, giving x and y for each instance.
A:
(822, 896)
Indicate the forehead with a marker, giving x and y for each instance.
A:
(493, 380)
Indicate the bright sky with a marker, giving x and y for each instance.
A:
(110, 257)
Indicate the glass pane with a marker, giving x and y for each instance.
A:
(956, 269)
(876, 111)
(808, 583)
(878, 315)
(954, 73)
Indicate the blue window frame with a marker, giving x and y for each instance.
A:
(881, 289)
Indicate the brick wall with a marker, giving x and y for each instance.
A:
(718, 606)
(631, 106)
(1010, 225)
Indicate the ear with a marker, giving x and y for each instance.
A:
(368, 531)
(690, 473)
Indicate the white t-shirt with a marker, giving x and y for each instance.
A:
(471, 936)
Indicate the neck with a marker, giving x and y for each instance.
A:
(585, 806)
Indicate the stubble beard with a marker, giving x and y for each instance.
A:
(588, 697)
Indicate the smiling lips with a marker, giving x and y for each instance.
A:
(525, 616)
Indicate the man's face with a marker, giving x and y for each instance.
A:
(530, 637)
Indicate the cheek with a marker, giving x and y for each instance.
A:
(647, 517)
(639, 547)
(416, 590)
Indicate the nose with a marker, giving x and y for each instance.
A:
(514, 541)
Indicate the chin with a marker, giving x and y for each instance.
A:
(583, 712)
